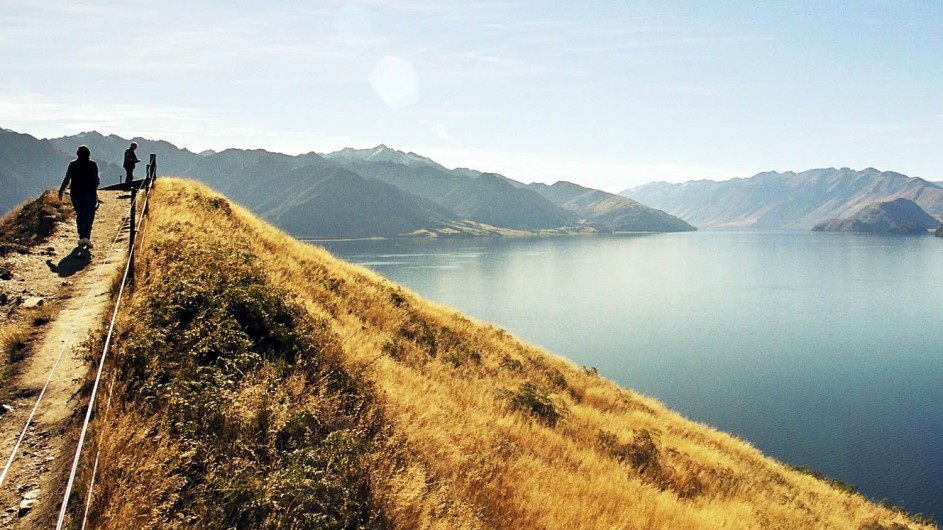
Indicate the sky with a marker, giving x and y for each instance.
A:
(609, 94)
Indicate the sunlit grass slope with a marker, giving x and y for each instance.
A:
(262, 383)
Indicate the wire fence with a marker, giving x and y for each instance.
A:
(127, 279)
(137, 190)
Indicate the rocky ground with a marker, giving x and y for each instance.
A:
(57, 295)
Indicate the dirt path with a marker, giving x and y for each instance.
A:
(74, 288)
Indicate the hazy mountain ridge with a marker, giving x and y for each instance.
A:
(608, 211)
(382, 153)
(334, 195)
(29, 165)
(900, 216)
(492, 200)
(431, 181)
(774, 200)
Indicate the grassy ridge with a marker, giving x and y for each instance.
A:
(264, 384)
(32, 222)
(229, 406)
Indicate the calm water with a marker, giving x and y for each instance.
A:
(823, 350)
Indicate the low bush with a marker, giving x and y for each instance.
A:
(642, 454)
(535, 402)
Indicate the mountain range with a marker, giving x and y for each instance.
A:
(351, 193)
(788, 200)
(899, 216)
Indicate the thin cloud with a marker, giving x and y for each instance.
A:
(919, 140)
(34, 112)
(487, 63)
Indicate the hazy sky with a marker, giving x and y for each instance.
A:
(608, 94)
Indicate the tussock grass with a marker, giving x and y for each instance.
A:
(261, 383)
(229, 405)
(14, 342)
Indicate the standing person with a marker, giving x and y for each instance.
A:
(83, 175)
(130, 160)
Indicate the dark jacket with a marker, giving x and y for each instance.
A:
(83, 173)
(130, 159)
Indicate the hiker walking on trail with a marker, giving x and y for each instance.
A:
(83, 176)
(130, 160)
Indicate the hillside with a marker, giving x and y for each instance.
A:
(328, 204)
(609, 212)
(785, 200)
(492, 200)
(261, 383)
(900, 216)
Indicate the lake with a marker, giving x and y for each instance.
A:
(821, 349)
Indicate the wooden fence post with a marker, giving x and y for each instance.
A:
(152, 169)
(134, 196)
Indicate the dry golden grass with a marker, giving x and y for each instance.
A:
(32, 222)
(14, 339)
(472, 428)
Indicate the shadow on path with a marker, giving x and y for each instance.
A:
(77, 260)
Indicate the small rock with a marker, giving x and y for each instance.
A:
(33, 302)
(5, 408)
(66, 283)
(31, 494)
(26, 506)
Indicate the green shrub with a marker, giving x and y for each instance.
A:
(535, 402)
(642, 454)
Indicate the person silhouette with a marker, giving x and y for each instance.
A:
(83, 177)
(130, 160)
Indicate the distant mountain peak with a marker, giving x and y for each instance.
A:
(91, 134)
(382, 153)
